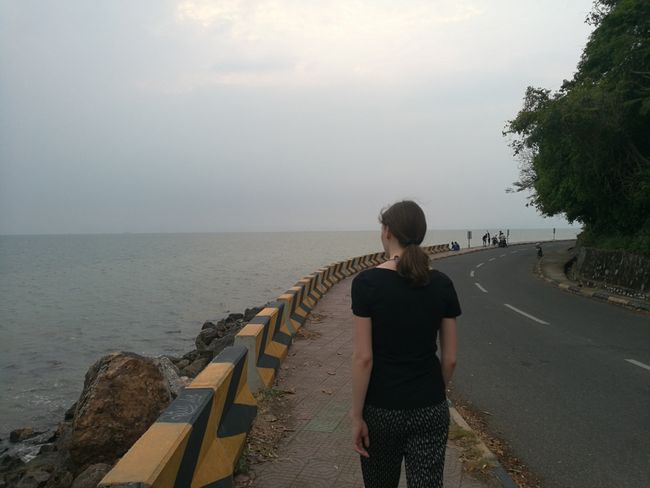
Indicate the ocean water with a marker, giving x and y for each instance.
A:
(67, 300)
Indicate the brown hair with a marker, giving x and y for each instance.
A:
(407, 223)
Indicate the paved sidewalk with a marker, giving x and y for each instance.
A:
(318, 453)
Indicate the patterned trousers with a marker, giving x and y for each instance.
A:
(419, 436)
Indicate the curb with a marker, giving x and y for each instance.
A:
(498, 470)
(601, 295)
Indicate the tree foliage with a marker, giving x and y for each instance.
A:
(584, 150)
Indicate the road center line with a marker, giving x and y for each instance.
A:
(638, 363)
(478, 285)
(479, 265)
(531, 317)
(471, 274)
(512, 252)
(491, 259)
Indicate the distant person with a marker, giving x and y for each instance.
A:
(495, 241)
(484, 239)
(399, 411)
(488, 238)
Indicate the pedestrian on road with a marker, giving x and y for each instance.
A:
(399, 408)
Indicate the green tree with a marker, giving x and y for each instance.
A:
(584, 150)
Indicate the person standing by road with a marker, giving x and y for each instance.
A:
(399, 409)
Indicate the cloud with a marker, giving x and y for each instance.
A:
(327, 43)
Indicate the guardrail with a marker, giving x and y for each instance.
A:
(198, 439)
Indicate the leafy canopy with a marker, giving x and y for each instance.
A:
(584, 150)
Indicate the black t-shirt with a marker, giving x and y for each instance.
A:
(406, 372)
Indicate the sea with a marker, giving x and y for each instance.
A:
(67, 300)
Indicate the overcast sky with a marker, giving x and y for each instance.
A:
(209, 115)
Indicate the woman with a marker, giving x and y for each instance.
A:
(400, 307)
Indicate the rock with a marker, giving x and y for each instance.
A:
(20, 435)
(208, 325)
(191, 356)
(196, 367)
(60, 479)
(69, 413)
(249, 313)
(123, 395)
(236, 316)
(205, 337)
(91, 476)
(182, 364)
(171, 374)
(47, 448)
(34, 479)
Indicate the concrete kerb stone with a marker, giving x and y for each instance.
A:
(208, 421)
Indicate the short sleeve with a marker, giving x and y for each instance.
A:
(452, 305)
(361, 296)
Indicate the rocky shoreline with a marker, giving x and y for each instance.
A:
(123, 394)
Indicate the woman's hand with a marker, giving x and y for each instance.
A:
(360, 439)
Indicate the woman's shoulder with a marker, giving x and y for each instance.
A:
(438, 277)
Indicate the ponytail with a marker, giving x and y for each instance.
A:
(413, 265)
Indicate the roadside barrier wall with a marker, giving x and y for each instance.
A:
(199, 437)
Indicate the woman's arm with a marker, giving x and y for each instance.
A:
(361, 369)
(448, 348)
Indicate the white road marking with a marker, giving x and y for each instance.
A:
(512, 252)
(479, 265)
(531, 317)
(491, 259)
(502, 256)
(471, 274)
(478, 285)
(638, 363)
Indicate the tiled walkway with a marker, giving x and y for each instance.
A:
(318, 453)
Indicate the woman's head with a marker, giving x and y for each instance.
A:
(405, 223)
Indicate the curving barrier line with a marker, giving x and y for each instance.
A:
(198, 439)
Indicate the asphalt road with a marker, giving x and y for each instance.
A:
(557, 383)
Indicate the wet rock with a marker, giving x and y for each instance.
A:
(60, 479)
(182, 364)
(69, 413)
(91, 476)
(208, 325)
(236, 316)
(47, 448)
(249, 313)
(34, 479)
(123, 395)
(192, 356)
(19, 435)
(195, 367)
(205, 337)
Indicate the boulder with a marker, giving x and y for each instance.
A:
(91, 476)
(182, 364)
(60, 479)
(236, 316)
(123, 395)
